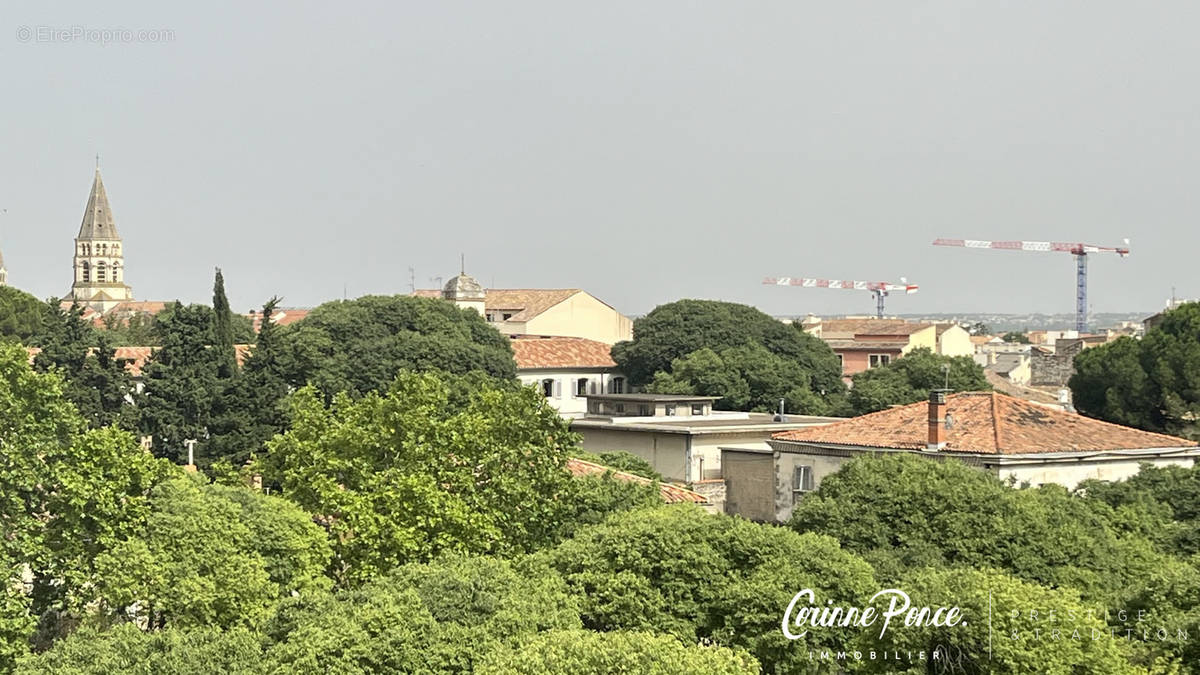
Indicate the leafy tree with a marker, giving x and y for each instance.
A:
(1151, 384)
(253, 407)
(21, 315)
(614, 653)
(66, 496)
(739, 343)
(900, 511)
(211, 556)
(126, 649)
(1165, 499)
(130, 330)
(424, 468)
(94, 381)
(997, 634)
(675, 569)
(745, 378)
(360, 345)
(909, 379)
(1015, 337)
(181, 382)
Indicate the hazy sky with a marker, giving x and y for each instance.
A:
(644, 151)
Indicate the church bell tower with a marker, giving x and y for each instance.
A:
(99, 260)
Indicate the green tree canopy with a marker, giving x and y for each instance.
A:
(360, 345)
(910, 378)
(729, 350)
(181, 383)
(901, 511)
(212, 556)
(999, 634)
(614, 653)
(677, 570)
(21, 315)
(431, 465)
(94, 381)
(1015, 337)
(1151, 384)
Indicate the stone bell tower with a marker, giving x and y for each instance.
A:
(99, 260)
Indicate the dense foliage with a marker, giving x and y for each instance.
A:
(93, 379)
(358, 346)
(732, 351)
(910, 379)
(1152, 383)
(21, 315)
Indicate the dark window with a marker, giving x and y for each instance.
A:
(507, 316)
(581, 386)
(619, 408)
(548, 388)
(802, 481)
(877, 360)
(697, 408)
(669, 410)
(644, 410)
(616, 385)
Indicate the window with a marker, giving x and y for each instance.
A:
(616, 385)
(548, 388)
(669, 410)
(644, 410)
(581, 386)
(507, 316)
(619, 408)
(877, 360)
(802, 481)
(100, 272)
(87, 271)
(697, 408)
(841, 361)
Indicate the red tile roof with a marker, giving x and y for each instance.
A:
(561, 352)
(671, 494)
(989, 423)
(279, 317)
(850, 327)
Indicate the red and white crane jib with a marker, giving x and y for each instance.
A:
(838, 283)
(1042, 246)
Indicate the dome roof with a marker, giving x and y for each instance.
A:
(463, 287)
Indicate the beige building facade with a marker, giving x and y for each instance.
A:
(560, 312)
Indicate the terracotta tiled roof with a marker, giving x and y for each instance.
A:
(523, 303)
(989, 423)
(981, 339)
(561, 352)
(850, 327)
(671, 494)
(279, 317)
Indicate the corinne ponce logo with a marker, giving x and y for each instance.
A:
(811, 615)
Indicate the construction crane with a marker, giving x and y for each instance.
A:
(1080, 251)
(879, 289)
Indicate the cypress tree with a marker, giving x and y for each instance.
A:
(223, 329)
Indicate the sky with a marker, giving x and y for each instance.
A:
(643, 151)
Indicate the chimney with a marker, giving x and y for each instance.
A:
(937, 419)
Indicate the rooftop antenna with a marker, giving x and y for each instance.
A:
(412, 279)
(97, 161)
(462, 263)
